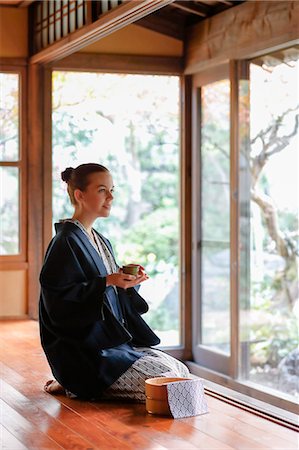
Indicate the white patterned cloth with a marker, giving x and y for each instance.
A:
(107, 257)
(186, 398)
(154, 363)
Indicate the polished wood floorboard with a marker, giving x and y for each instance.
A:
(33, 419)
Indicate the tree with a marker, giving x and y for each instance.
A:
(130, 124)
(285, 243)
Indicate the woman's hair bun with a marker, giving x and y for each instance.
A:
(67, 173)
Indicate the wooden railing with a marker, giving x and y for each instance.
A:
(59, 28)
(54, 19)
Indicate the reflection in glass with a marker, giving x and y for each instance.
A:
(269, 300)
(9, 210)
(130, 123)
(215, 216)
(215, 295)
(9, 117)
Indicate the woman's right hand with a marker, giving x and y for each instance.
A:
(124, 280)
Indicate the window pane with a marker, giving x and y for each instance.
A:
(269, 225)
(215, 296)
(9, 117)
(215, 214)
(9, 210)
(130, 123)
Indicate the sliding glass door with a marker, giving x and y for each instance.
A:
(245, 224)
(269, 201)
(211, 201)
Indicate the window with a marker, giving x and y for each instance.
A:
(211, 206)
(12, 167)
(129, 123)
(215, 216)
(245, 178)
(269, 107)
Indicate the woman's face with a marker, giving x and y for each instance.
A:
(98, 195)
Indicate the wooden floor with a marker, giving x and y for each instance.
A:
(33, 419)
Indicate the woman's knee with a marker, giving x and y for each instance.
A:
(183, 369)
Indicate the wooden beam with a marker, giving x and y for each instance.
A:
(206, 8)
(187, 7)
(111, 21)
(7, 61)
(163, 26)
(225, 2)
(25, 3)
(13, 265)
(95, 62)
(244, 31)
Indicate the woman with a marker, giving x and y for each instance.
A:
(95, 340)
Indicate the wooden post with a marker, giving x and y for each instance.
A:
(47, 157)
(35, 185)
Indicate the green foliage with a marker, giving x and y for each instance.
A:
(70, 130)
(154, 240)
(144, 223)
(276, 338)
(288, 221)
(9, 211)
(163, 319)
(215, 183)
(161, 189)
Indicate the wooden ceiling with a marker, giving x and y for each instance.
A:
(287, 56)
(175, 17)
(170, 20)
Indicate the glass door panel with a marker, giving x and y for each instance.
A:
(245, 224)
(269, 224)
(215, 215)
(211, 223)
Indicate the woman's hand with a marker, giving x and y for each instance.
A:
(124, 280)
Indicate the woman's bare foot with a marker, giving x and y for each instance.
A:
(54, 388)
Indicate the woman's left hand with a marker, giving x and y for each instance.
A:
(124, 280)
(141, 275)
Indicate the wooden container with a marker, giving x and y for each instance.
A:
(156, 395)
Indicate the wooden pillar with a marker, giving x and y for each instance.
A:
(47, 157)
(35, 184)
